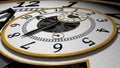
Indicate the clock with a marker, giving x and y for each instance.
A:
(58, 34)
(53, 32)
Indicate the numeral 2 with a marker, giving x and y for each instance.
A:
(71, 4)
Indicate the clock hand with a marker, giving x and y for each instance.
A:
(72, 16)
(8, 14)
(39, 29)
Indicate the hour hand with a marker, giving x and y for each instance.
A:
(39, 29)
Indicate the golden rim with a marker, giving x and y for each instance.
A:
(44, 64)
(59, 55)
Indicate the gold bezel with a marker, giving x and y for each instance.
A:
(46, 64)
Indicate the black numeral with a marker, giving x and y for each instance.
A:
(7, 15)
(31, 4)
(91, 13)
(88, 41)
(71, 4)
(20, 4)
(14, 35)
(102, 20)
(26, 45)
(57, 46)
(103, 30)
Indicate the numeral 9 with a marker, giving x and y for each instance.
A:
(58, 47)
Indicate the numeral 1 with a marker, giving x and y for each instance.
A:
(20, 4)
(71, 4)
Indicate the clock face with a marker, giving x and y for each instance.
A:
(41, 33)
(53, 32)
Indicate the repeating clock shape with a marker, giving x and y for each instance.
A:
(70, 32)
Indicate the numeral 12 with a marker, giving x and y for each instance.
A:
(31, 4)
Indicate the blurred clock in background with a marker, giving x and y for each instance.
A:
(75, 34)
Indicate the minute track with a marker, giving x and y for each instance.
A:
(62, 39)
